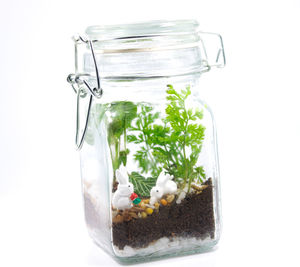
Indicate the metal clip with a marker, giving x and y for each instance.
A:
(77, 81)
(215, 57)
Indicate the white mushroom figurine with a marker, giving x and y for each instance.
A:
(121, 198)
(164, 185)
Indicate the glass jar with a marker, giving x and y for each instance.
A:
(147, 140)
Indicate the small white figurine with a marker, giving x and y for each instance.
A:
(164, 185)
(121, 198)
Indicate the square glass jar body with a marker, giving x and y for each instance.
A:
(149, 162)
(150, 131)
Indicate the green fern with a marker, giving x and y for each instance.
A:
(142, 185)
(166, 146)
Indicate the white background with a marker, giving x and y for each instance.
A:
(255, 101)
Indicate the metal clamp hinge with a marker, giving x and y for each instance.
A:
(78, 83)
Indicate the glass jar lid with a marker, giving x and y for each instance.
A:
(142, 29)
(147, 49)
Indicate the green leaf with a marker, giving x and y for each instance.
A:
(123, 157)
(142, 185)
(200, 174)
(133, 139)
(122, 113)
(199, 114)
(142, 133)
(115, 129)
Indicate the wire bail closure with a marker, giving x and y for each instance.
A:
(78, 81)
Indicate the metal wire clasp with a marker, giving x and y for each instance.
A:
(78, 82)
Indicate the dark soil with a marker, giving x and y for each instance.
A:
(115, 186)
(193, 217)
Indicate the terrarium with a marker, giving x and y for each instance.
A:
(147, 139)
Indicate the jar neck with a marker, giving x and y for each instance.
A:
(143, 90)
(146, 64)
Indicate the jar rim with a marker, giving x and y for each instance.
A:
(141, 29)
(156, 48)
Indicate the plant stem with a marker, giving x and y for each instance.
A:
(189, 186)
(148, 148)
(125, 133)
(113, 163)
(166, 149)
(125, 137)
(184, 155)
(115, 158)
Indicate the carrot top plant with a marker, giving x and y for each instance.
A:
(175, 144)
(183, 139)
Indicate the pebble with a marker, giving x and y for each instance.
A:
(114, 213)
(181, 197)
(149, 211)
(170, 198)
(127, 217)
(118, 219)
(199, 188)
(142, 205)
(163, 245)
(150, 206)
(163, 202)
(133, 215)
(137, 209)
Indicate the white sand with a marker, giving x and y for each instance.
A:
(162, 245)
